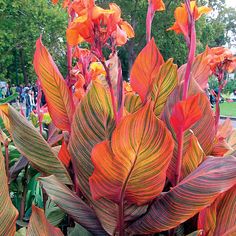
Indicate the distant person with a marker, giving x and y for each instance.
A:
(32, 97)
(9, 90)
(28, 103)
(233, 95)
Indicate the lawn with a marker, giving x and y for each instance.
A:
(228, 109)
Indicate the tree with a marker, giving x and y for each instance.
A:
(22, 22)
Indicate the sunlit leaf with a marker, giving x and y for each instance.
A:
(163, 84)
(193, 157)
(39, 225)
(32, 145)
(133, 167)
(57, 93)
(132, 102)
(145, 69)
(190, 196)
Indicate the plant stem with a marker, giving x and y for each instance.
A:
(69, 51)
(221, 85)
(24, 182)
(149, 19)
(191, 55)
(121, 216)
(120, 94)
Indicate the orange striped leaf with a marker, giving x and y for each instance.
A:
(190, 196)
(132, 102)
(200, 70)
(220, 217)
(39, 225)
(134, 167)
(57, 93)
(64, 155)
(145, 69)
(8, 213)
(32, 145)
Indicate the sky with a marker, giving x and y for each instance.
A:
(231, 3)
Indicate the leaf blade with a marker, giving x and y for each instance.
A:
(190, 196)
(32, 145)
(59, 99)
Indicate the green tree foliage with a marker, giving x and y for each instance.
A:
(21, 24)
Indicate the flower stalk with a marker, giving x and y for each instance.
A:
(187, 77)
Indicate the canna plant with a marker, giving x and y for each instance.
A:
(134, 158)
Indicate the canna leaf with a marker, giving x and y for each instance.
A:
(203, 129)
(231, 140)
(93, 122)
(185, 114)
(133, 167)
(164, 83)
(193, 157)
(220, 218)
(190, 196)
(64, 155)
(200, 70)
(58, 96)
(132, 102)
(8, 213)
(145, 69)
(32, 145)
(72, 204)
(39, 225)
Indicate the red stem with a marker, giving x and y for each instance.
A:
(120, 94)
(69, 51)
(187, 78)
(149, 18)
(217, 118)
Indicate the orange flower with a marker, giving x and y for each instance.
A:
(158, 5)
(96, 25)
(181, 17)
(222, 59)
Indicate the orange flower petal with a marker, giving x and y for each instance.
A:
(117, 12)
(158, 5)
(127, 28)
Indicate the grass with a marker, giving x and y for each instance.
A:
(228, 109)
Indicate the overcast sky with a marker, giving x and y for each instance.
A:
(231, 3)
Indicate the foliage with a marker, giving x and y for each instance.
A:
(120, 158)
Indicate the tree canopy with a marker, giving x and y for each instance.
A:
(22, 22)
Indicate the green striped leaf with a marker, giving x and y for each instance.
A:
(193, 157)
(8, 213)
(72, 204)
(32, 145)
(163, 85)
(57, 93)
(190, 196)
(132, 102)
(93, 122)
(38, 224)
